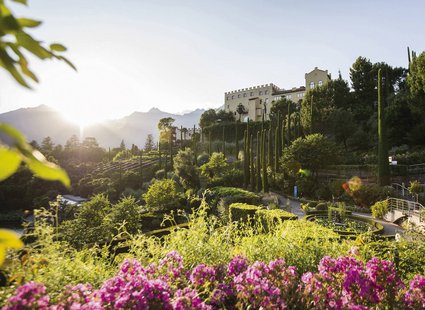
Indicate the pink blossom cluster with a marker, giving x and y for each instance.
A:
(341, 283)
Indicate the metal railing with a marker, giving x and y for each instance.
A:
(407, 207)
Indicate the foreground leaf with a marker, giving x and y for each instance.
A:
(9, 162)
(47, 170)
(8, 240)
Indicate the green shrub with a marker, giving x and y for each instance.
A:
(379, 209)
(162, 196)
(231, 195)
(97, 221)
(242, 212)
(270, 218)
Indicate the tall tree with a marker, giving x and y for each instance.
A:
(185, 169)
(149, 143)
(383, 164)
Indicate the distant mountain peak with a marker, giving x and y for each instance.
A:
(154, 110)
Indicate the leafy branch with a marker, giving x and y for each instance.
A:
(15, 42)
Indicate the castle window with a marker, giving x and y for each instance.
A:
(266, 92)
(227, 98)
(239, 95)
(260, 93)
(244, 94)
(311, 84)
(233, 97)
(251, 93)
(320, 83)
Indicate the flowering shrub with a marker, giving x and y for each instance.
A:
(341, 283)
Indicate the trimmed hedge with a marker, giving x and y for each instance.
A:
(269, 218)
(242, 212)
(246, 213)
(231, 195)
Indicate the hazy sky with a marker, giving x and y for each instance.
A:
(181, 55)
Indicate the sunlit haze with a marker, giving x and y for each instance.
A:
(183, 55)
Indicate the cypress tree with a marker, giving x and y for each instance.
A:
(283, 135)
(224, 142)
(236, 142)
(141, 165)
(270, 149)
(289, 124)
(279, 135)
(383, 164)
(258, 168)
(276, 149)
(251, 162)
(181, 137)
(245, 161)
(209, 143)
(264, 162)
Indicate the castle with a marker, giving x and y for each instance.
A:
(257, 100)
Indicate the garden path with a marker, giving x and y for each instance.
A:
(390, 229)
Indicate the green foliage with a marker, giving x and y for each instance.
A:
(310, 153)
(54, 262)
(416, 77)
(162, 196)
(185, 169)
(415, 188)
(242, 212)
(97, 221)
(15, 41)
(216, 167)
(320, 104)
(379, 209)
(20, 150)
(408, 253)
(230, 195)
(322, 206)
(270, 218)
(367, 195)
(127, 212)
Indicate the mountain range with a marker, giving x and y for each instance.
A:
(42, 121)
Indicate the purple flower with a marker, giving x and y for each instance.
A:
(31, 295)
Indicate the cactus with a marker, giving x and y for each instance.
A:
(258, 166)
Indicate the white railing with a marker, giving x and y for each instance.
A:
(407, 207)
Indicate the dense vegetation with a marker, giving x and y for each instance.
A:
(182, 226)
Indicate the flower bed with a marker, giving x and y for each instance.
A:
(342, 283)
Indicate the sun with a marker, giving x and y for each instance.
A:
(83, 118)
